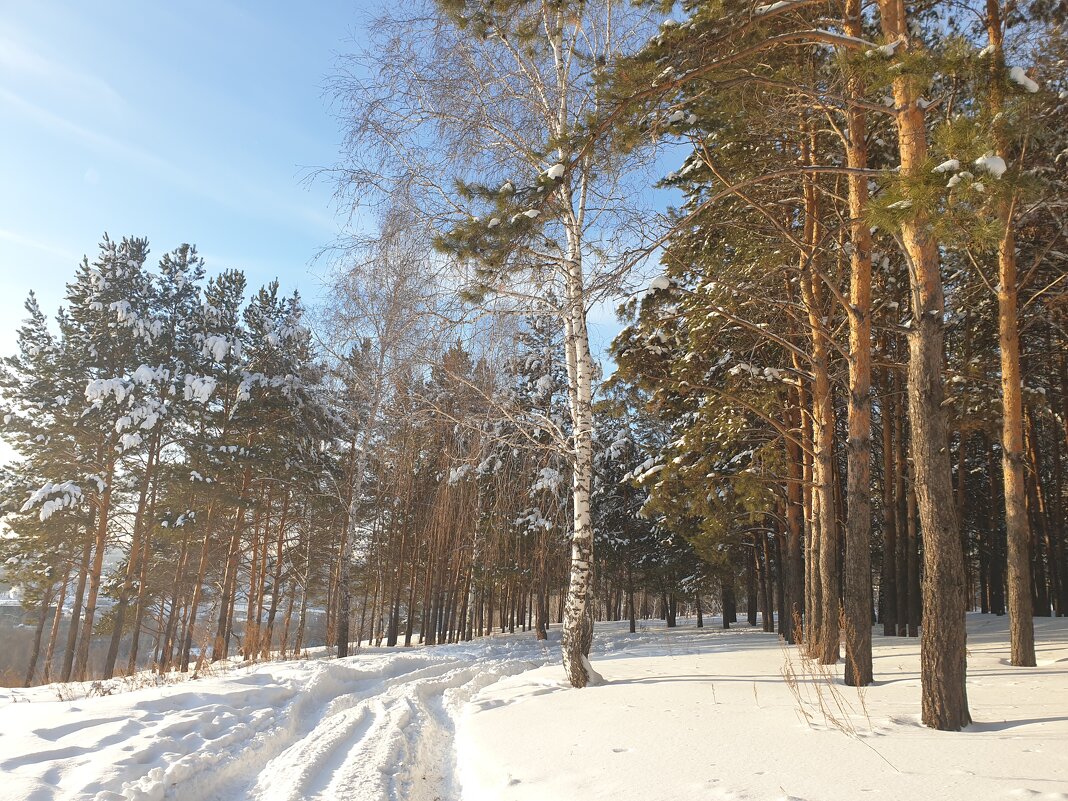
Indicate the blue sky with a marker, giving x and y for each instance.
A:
(193, 121)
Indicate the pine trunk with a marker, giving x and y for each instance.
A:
(943, 659)
(57, 620)
(38, 635)
(888, 608)
(96, 571)
(133, 563)
(1017, 530)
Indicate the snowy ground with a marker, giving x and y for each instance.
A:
(685, 714)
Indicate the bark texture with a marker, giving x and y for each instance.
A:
(943, 660)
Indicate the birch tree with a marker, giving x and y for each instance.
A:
(473, 108)
(379, 328)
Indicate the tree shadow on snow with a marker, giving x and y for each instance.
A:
(1004, 725)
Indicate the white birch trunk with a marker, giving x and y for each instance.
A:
(578, 617)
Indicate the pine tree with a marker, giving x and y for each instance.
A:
(107, 321)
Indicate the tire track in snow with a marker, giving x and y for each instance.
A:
(398, 743)
(379, 727)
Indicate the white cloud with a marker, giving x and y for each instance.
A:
(18, 59)
(34, 244)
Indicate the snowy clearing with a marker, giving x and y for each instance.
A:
(691, 714)
(685, 713)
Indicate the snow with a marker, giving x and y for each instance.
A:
(555, 172)
(680, 713)
(128, 441)
(124, 313)
(146, 375)
(198, 388)
(548, 480)
(659, 283)
(216, 346)
(956, 179)
(379, 725)
(760, 11)
(886, 50)
(53, 497)
(951, 165)
(98, 389)
(995, 165)
(706, 714)
(1019, 76)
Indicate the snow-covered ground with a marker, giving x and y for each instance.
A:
(684, 714)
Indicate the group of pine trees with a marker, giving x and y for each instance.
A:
(198, 478)
(845, 399)
(873, 232)
(166, 430)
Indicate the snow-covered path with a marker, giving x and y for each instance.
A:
(685, 714)
(375, 726)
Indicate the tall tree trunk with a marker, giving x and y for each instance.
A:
(752, 600)
(726, 601)
(1060, 550)
(827, 648)
(768, 584)
(287, 618)
(1045, 576)
(57, 619)
(298, 646)
(913, 556)
(889, 606)
(793, 579)
(943, 660)
(1018, 535)
(221, 644)
(178, 593)
(824, 567)
(133, 563)
(997, 549)
(578, 616)
(630, 603)
(198, 584)
(76, 607)
(250, 641)
(858, 668)
(276, 580)
(142, 585)
(96, 571)
(38, 635)
(905, 515)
